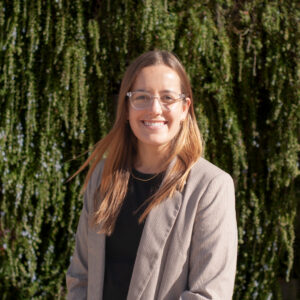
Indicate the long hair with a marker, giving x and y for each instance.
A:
(120, 148)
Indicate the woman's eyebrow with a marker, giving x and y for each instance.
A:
(141, 90)
(163, 91)
(167, 91)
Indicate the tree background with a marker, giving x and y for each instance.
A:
(61, 64)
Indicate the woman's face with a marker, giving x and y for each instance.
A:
(154, 126)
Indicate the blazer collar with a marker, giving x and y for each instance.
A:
(157, 228)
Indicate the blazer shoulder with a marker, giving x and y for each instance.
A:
(204, 171)
(93, 185)
(95, 178)
(205, 182)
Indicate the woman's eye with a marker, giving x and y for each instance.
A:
(167, 98)
(142, 98)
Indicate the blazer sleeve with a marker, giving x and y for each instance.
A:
(213, 251)
(77, 273)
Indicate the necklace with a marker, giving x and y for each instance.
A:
(141, 179)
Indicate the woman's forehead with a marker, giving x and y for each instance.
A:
(158, 77)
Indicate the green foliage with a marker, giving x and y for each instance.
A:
(61, 64)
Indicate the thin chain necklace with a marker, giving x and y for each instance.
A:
(141, 179)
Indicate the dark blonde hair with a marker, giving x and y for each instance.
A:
(119, 147)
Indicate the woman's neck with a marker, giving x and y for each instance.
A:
(151, 159)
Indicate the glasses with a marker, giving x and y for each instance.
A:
(143, 100)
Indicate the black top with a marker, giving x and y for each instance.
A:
(121, 247)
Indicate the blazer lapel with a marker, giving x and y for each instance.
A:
(157, 228)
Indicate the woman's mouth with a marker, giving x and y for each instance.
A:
(155, 124)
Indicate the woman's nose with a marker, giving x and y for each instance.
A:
(156, 105)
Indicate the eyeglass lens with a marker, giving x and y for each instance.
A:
(142, 100)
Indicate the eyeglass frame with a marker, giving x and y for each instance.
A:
(182, 97)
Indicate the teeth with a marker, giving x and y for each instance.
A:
(155, 124)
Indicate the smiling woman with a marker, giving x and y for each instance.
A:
(159, 122)
(158, 220)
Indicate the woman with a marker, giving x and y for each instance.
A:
(158, 221)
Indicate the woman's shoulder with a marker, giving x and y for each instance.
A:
(204, 171)
(96, 175)
(206, 179)
(94, 181)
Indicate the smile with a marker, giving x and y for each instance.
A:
(154, 123)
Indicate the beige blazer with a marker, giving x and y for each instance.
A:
(188, 248)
